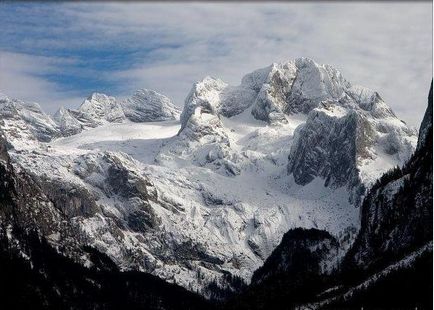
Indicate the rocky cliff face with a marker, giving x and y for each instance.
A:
(396, 215)
(67, 122)
(390, 263)
(102, 108)
(388, 266)
(326, 147)
(24, 122)
(344, 139)
(149, 106)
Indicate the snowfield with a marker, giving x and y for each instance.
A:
(141, 141)
(194, 199)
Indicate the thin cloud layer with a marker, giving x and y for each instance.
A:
(65, 51)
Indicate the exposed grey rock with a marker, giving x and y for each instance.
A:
(396, 215)
(271, 101)
(339, 137)
(149, 106)
(426, 122)
(102, 108)
(204, 95)
(27, 121)
(69, 123)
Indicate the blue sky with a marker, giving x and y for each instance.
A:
(58, 53)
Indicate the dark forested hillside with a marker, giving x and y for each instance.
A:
(292, 274)
(48, 280)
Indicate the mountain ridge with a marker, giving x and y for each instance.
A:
(217, 197)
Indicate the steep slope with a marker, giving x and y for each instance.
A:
(302, 265)
(347, 141)
(35, 275)
(396, 215)
(101, 107)
(204, 208)
(25, 123)
(389, 266)
(149, 106)
(390, 263)
(47, 280)
(404, 284)
(67, 122)
(295, 270)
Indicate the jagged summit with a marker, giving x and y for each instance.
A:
(68, 124)
(349, 129)
(96, 110)
(101, 107)
(26, 122)
(149, 106)
(280, 90)
(204, 94)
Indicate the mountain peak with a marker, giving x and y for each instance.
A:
(102, 108)
(149, 106)
(99, 97)
(335, 111)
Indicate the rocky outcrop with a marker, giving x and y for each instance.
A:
(204, 95)
(326, 147)
(396, 215)
(271, 100)
(149, 106)
(204, 142)
(68, 123)
(341, 143)
(23, 121)
(102, 108)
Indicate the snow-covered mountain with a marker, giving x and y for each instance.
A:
(25, 122)
(211, 195)
(388, 265)
(28, 119)
(149, 106)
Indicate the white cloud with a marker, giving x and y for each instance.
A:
(19, 78)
